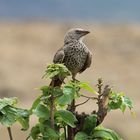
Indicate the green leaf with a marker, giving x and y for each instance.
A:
(57, 91)
(115, 104)
(119, 101)
(51, 134)
(45, 90)
(68, 90)
(23, 118)
(67, 97)
(8, 101)
(67, 117)
(35, 132)
(128, 102)
(87, 87)
(53, 70)
(42, 111)
(81, 136)
(8, 111)
(8, 116)
(8, 120)
(90, 123)
(35, 104)
(105, 134)
(63, 100)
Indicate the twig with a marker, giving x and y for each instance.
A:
(10, 133)
(70, 129)
(54, 83)
(81, 121)
(103, 104)
(82, 102)
(52, 111)
(65, 133)
(100, 84)
(92, 98)
(28, 137)
(70, 133)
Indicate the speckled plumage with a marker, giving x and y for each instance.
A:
(74, 54)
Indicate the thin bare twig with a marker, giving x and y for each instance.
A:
(52, 111)
(10, 133)
(82, 102)
(65, 133)
(71, 108)
(100, 84)
(28, 137)
(92, 98)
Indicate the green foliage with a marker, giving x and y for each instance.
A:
(101, 133)
(65, 116)
(81, 136)
(22, 117)
(35, 131)
(53, 104)
(44, 132)
(42, 111)
(51, 134)
(35, 104)
(56, 70)
(8, 101)
(87, 87)
(48, 91)
(88, 128)
(9, 114)
(119, 101)
(90, 124)
(67, 97)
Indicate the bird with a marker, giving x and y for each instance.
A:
(74, 54)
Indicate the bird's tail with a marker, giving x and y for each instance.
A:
(57, 81)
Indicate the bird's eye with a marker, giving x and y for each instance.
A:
(78, 31)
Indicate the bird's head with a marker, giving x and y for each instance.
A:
(75, 34)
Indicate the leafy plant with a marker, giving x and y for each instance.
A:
(9, 113)
(56, 110)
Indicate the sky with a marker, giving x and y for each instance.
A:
(70, 10)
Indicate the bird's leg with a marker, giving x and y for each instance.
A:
(73, 78)
(62, 79)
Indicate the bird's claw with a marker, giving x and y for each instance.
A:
(75, 80)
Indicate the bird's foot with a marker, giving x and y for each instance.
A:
(75, 80)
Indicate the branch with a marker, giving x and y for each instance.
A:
(10, 133)
(82, 102)
(65, 133)
(100, 84)
(52, 111)
(103, 104)
(92, 98)
(56, 81)
(28, 137)
(72, 109)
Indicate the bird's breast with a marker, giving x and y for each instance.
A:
(75, 56)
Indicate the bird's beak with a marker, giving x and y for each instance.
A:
(85, 32)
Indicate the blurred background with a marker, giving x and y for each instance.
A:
(32, 31)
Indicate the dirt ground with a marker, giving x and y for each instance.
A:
(26, 49)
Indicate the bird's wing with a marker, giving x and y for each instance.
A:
(59, 56)
(87, 62)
